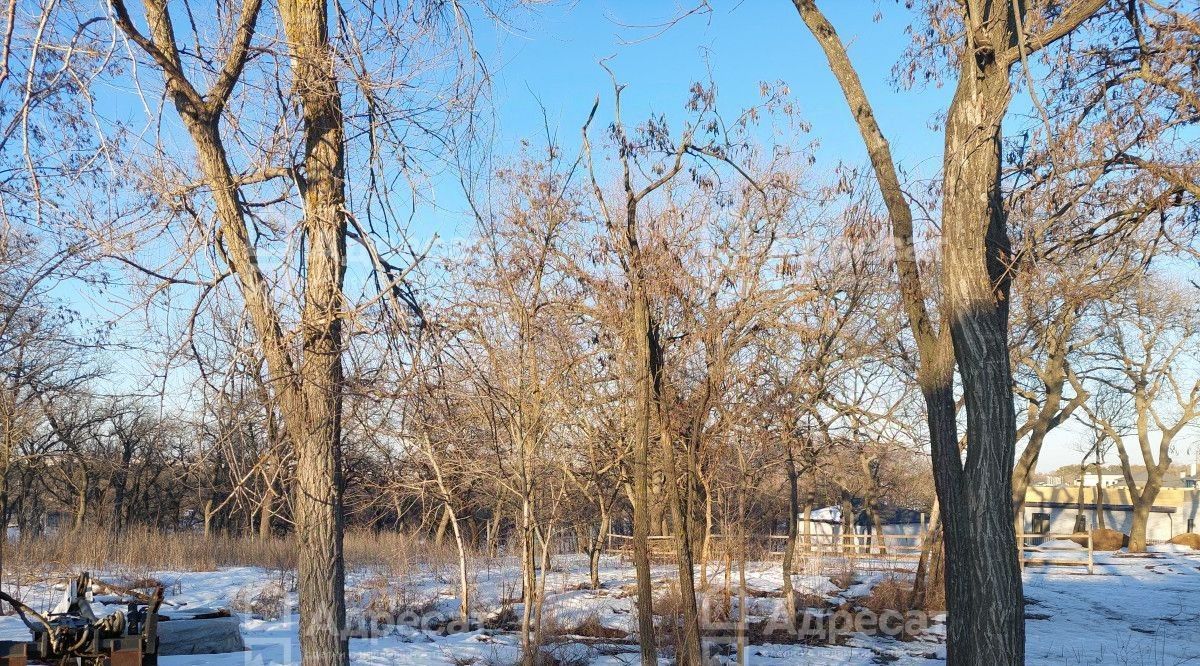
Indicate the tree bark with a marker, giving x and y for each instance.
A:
(641, 533)
(689, 651)
(980, 542)
(1080, 518)
(81, 503)
(789, 550)
(877, 540)
(595, 548)
(528, 582)
(319, 466)
(119, 482)
(930, 575)
(1141, 520)
(265, 512)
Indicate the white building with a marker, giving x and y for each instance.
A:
(1053, 510)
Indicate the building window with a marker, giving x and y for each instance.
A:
(1041, 523)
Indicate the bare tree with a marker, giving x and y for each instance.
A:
(645, 348)
(971, 330)
(1148, 337)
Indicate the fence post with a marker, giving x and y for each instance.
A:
(1091, 561)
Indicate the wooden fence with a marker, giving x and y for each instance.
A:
(1068, 557)
(888, 548)
(661, 547)
(892, 546)
(869, 547)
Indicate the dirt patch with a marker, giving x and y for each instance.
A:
(811, 600)
(1189, 539)
(1108, 540)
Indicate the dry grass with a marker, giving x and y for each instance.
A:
(805, 600)
(592, 627)
(844, 576)
(137, 553)
(890, 594)
(268, 603)
(382, 595)
(935, 599)
(668, 615)
(555, 628)
(716, 605)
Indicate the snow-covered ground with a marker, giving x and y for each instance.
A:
(1133, 610)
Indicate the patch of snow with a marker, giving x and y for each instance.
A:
(1133, 610)
(829, 513)
(1170, 548)
(1061, 544)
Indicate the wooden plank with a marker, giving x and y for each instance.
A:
(1089, 550)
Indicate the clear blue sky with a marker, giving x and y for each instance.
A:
(552, 58)
(756, 40)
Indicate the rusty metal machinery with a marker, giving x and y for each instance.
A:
(76, 636)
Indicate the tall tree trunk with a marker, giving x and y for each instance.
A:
(929, 567)
(8, 443)
(119, 482)
(528, 582)
(3, 513)
(439, 535)
(265, 512)
(464, 583)
(743, 547)
(641, 559)
(309, 396)
(983, 578)
(1141, 520)
(1143, 502)
(789, 550)
(1080, 516)
(208, 516)
(81, 503)
(809, 499)
(644, 339)
(980, 542)
(543, 569)
(706, 537)
(493, 539)
(877, 540)
(849, 541)
(689, 650)
(596, 548)
(318, 438)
